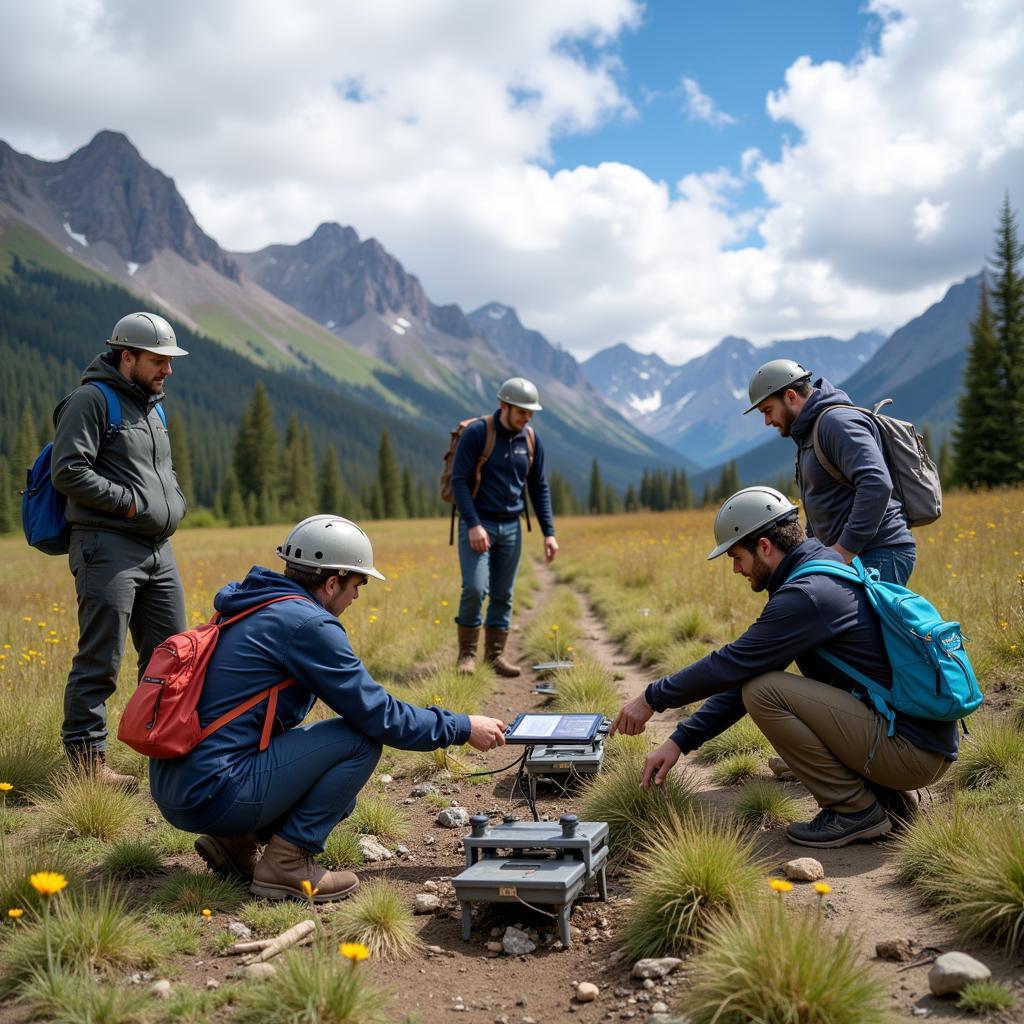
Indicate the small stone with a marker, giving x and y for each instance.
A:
(430, 886)
(453, 803)
(453, 817)
(212, 984)
(160, 989)
(429, 841)
(426, 903)
(920, 1011)
(423, 789)
(516, 942)
(895, 949)
(587, 991)
(952, 971)
(804, 869)
(659, 1007)
(239, 930)
(655, 967)
(648, 984)
(373, 850)
(259, 972)
(780, 769)
(401, 850)
(494, 947)
(408, 800)
(385, 779)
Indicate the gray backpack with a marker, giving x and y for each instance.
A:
(915, 480)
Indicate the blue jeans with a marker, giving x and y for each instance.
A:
(894, 563)
(301, 786)
(491, 573)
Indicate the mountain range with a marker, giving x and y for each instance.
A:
(341, 314)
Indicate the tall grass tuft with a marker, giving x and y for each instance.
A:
(926, 846)
(374, 816)
(737, 768)
(76, 997)
(317, 989)
(83, 806)
(985, 997)
(171, 841)
(993, 752)
(132, 857)
(29, 762)
(633, 814)
(586, 687)
(692, 869)
(378, 918)
(765, 804)
(771, 965)
(24, 858)
(266, 917)
(341, 850)
(621, 746)
(177, 933)
(742, 738)
(89, 931)
(192, 891)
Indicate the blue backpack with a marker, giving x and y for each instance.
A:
(932, 676)
(42, 505)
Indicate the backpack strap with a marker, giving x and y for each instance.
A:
(160, 412)
(531, 447)
(819, 452)
(113, 401)
(487, 451)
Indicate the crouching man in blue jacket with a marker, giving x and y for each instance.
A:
(291, 793)
(836, 744)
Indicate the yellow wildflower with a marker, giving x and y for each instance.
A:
(822, 888)
(353, 951)
(780, 885)
(206, 912)
(14, 913)
(5, 787)
(48, 883)
(307, 888)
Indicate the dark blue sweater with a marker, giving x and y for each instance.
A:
(866, 515)
(297, 639)
(502, 478)
(813, 611)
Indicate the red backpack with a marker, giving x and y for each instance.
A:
(160, 719)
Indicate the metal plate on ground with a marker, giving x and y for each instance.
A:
(553, 666)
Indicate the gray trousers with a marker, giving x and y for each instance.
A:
(122, 584)
(825, 735)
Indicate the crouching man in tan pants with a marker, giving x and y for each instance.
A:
(833, 741)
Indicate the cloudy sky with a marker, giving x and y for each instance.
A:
(660, 172)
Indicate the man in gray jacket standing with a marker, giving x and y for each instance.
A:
(123, 504)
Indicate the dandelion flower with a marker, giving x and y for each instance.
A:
(780, 885)
(48, 883)
(822, 888)
(554, 629)
(14, 913)
(206, 912)
(353, 951)
(5, 787)
(307, 888)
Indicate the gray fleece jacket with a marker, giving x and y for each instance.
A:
(102, 476)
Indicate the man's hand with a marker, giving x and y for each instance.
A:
(486, 733)
(479, 540)
(550, 548)
(658, 764)
(846, 556)
(632, 717)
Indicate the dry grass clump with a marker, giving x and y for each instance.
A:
(375, 816)
(74, 996)
(171, 841)
(764, 963)
(985, 997)
(131, 857)
(271, 917)
(742, 738)
(22, 859)
(82, 806)
(993, 752)
(737, 768)
(341, 850)
(633, 814)
(317, 989)
(691, 868)
(621, 746)
(29, 761)
(378, 918)
(554, 632)
(588, 687)
(446, 688)
(192, 891)
(927, 844)
(765, 804)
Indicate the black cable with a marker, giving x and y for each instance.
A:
(492, 771)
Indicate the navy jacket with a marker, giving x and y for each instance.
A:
(502, 478)
(813, 611)
(297, 639)
(866, 515)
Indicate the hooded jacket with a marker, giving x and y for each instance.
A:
(102, 476)
(809, 612)
(298, 639)
(866, 515)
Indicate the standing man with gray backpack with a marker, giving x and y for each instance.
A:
(123, 504)
(498, 459)
(850, 498)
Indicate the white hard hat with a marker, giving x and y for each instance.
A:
(328, 542)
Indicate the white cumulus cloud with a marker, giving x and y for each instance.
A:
(701, 107)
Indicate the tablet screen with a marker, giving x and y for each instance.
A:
(554, 728)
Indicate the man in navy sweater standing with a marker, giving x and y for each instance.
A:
(499, 458)
(834, 742)
(858, 514)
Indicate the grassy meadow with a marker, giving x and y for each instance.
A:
(130, 905)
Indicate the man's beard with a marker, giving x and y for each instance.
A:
(760, 574)
(788, 416)
(149, 386)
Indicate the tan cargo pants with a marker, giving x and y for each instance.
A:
(826, 735)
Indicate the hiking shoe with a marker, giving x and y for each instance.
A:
(86, 761)
(830, 828)
(469, 638)
(494, 652)
(283, 868)
(229, 856)
(901, 805)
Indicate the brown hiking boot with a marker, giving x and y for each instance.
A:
(469, 636)
(494, 652)
(94, 762)
(283, 868)
(230, 856)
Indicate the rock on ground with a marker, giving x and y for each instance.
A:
(655, 967)
(239, 930)
(423, 789)
(587, 991)
(952, 971)
(895, 949)
(161, 989)
(259, 972)
(372, 850)
(516, 942)
(426, 903)
(453, 817)
(803, 869)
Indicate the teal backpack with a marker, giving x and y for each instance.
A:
(932, 676)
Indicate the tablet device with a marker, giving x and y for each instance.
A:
(539, 727)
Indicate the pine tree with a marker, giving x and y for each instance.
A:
(659, 491)
(298, 472)
(645, 489)
(945, 464)
(979, 458)
(611, 503)
(256, 449)
(708, 497)
(8, 518)
(390, 480)
(26, 447)
(728, 481)
(181, 458)
(596, 496)
(408, 493)
(632, 501)
(233, 503)
(331, 488)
